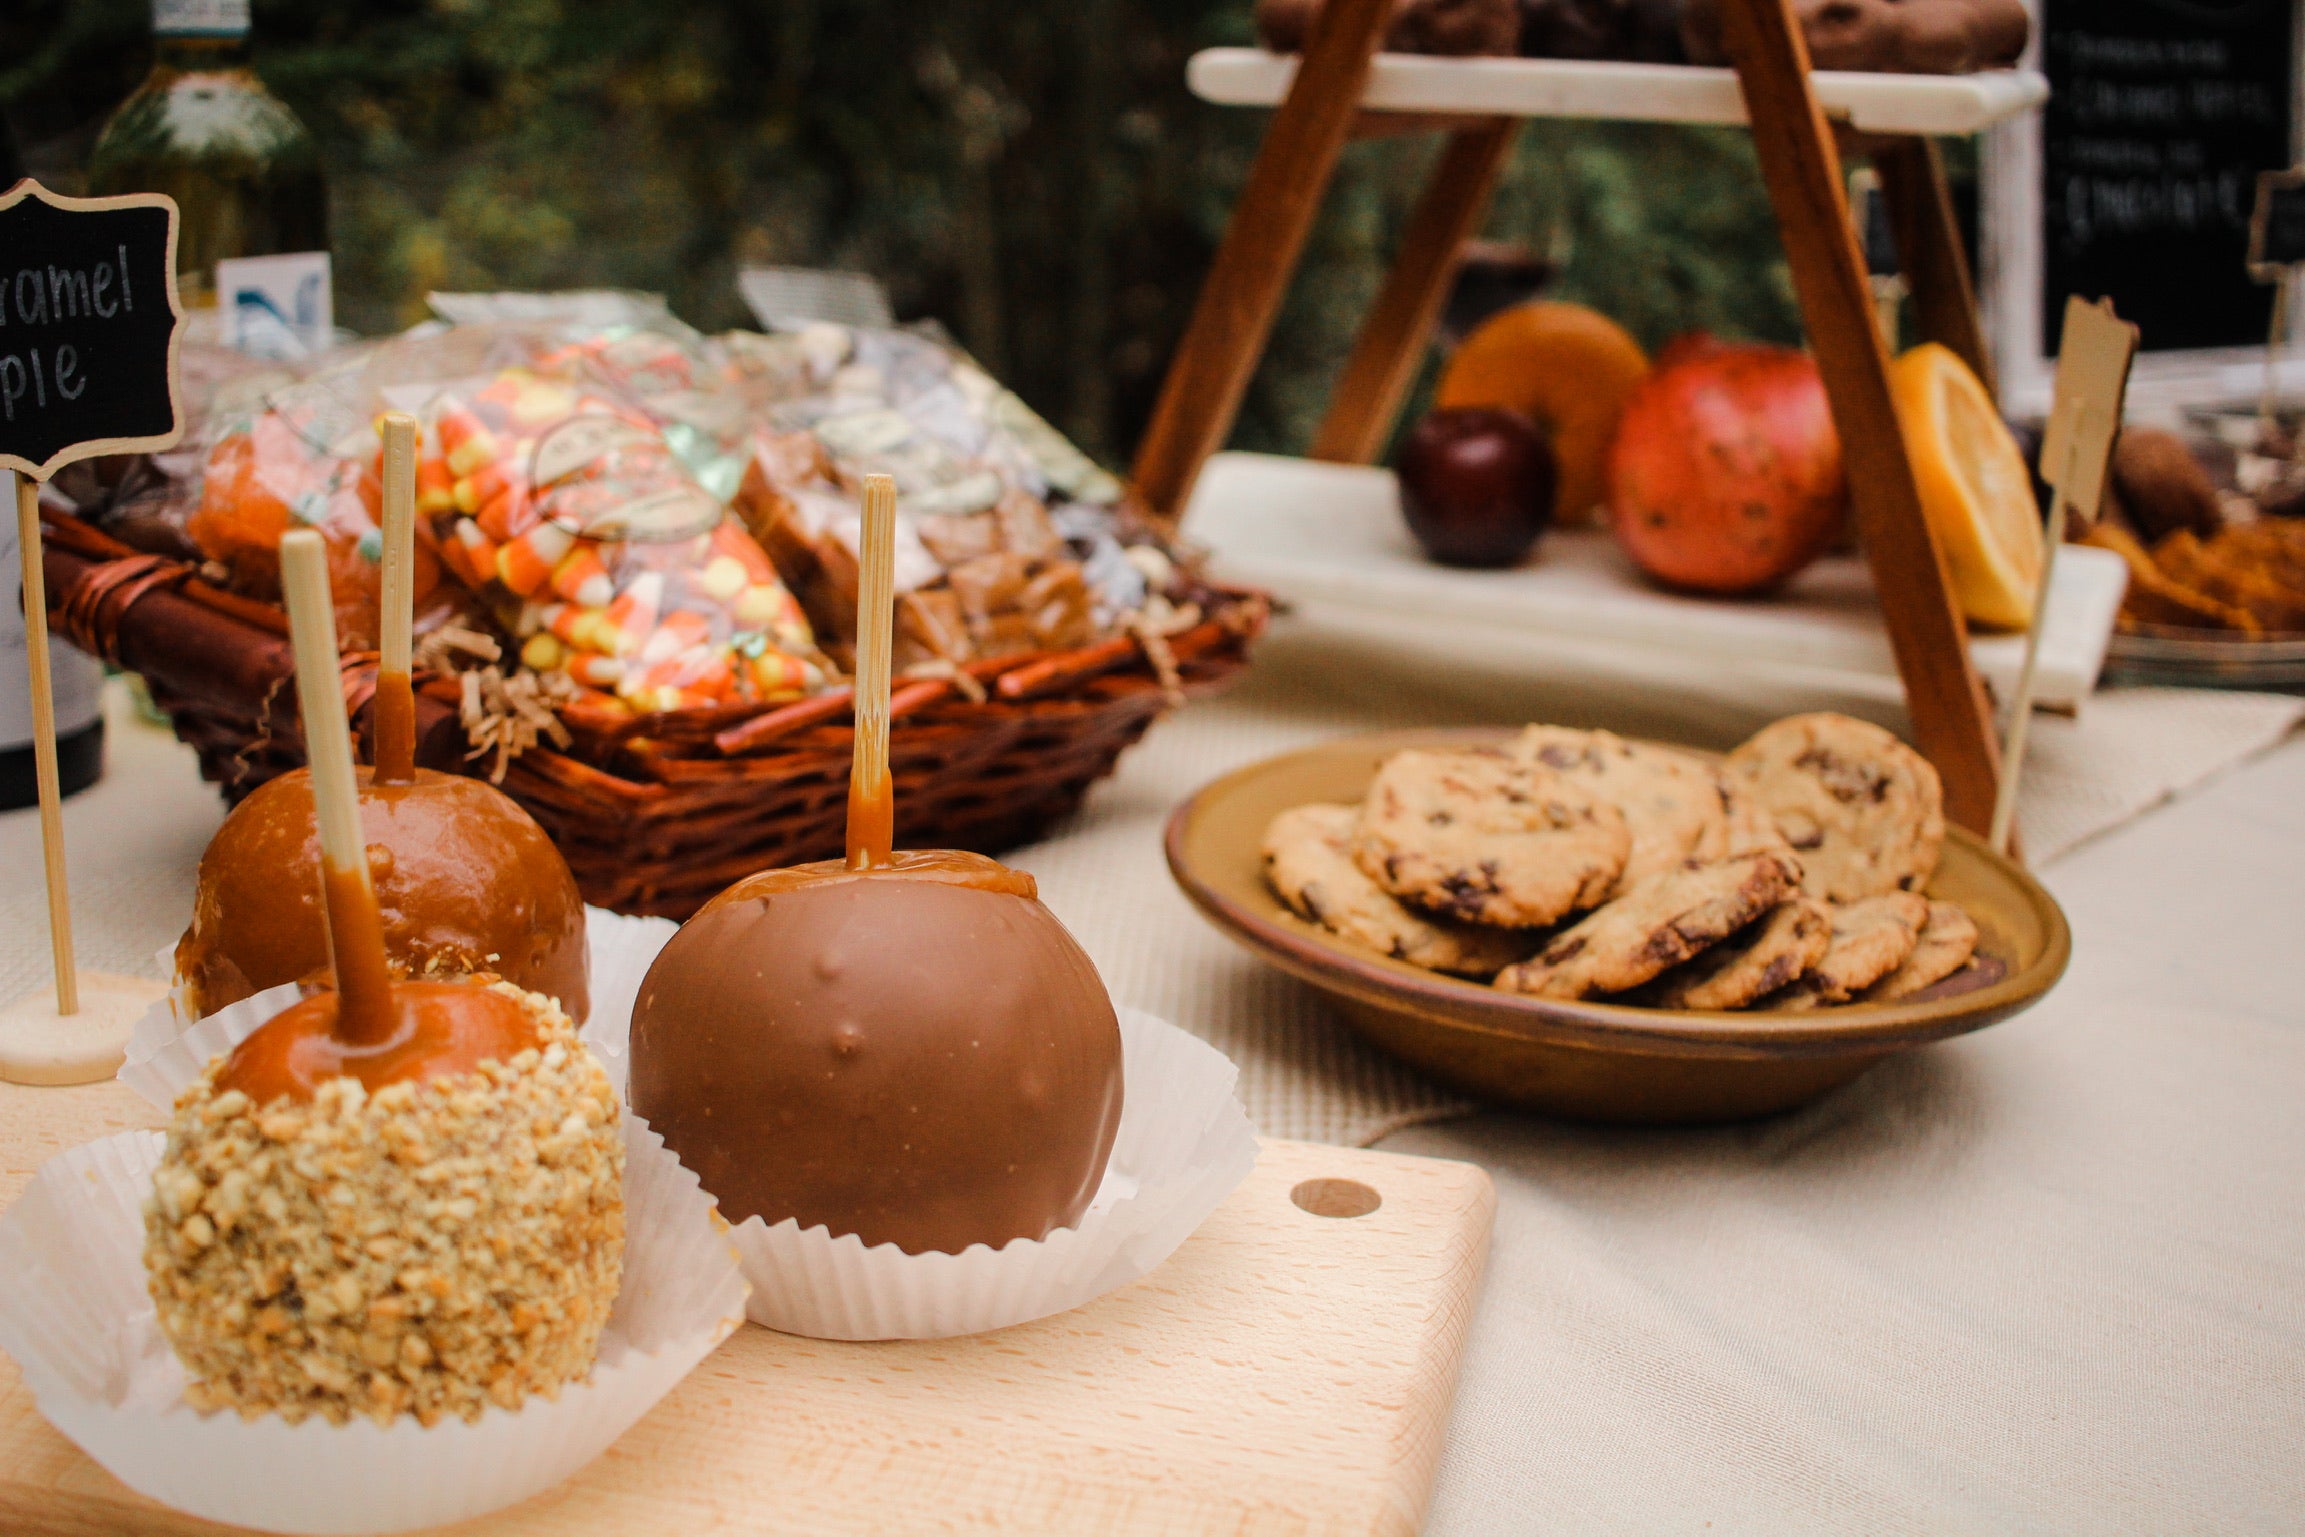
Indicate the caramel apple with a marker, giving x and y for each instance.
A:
(465, 881)
(917, 1053)
(433, 1227)
(906, 1047)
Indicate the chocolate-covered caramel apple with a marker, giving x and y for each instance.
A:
(917, 1053)
(465, 879)
(393, 1196)
(906, 1047)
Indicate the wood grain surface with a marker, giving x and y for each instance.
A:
(1283, 1372)
(1952, 720)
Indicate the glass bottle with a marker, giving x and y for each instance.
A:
(244, 172)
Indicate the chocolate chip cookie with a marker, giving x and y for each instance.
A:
(1744, 826)
(1862, 810)
(1871, 939)
(1661, 923)
(1671, 801)
(1948, 939)
(1309, 864)
(1764, 955)
(1482, 837)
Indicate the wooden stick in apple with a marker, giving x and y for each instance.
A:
(871, 799)
(393, 718)
(2093, 357)
(355, 928)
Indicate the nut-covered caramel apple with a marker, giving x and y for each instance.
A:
(465, 879)
(392, 1197)
(917, 1053)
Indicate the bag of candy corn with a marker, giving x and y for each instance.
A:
(558, 499)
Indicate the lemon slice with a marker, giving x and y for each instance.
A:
(1975, 488)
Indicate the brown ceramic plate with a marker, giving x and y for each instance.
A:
(1599, 1061)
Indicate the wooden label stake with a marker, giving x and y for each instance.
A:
(88, 323)
(2093, 360)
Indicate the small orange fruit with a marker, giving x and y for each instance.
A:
(1975, 489)
(1569, 367)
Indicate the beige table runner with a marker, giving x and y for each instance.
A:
(2049, 1278)
(137, 836)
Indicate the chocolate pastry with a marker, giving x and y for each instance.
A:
(1909, 37)
(1633, 31)
(1417, 26)
(917, 1053)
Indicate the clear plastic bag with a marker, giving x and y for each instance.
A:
(559, 500)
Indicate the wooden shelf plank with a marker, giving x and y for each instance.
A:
(1645, 93)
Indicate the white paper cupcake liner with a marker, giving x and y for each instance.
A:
(75, 1315)
(1184, 1144)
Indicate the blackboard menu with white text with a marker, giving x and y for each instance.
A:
(2161, 115)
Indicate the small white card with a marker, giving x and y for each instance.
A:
(2093, 359)
(277, 306)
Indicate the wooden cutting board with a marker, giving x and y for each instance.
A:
(1285, 1371)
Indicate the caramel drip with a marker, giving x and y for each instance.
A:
(945, 867)
(393, 720)
(430, 1030)
(356, 951)
(871, 824)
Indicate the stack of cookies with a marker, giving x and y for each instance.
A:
(1572, 864)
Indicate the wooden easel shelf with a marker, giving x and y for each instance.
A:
(1325, 98)
(1644, 93)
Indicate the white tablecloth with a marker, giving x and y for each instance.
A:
(2047, 1278)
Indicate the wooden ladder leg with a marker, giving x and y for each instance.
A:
(1250, 276)
(1920, 205)
(1952, 720)
(1391, 345)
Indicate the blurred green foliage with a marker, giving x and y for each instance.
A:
(1031, 172)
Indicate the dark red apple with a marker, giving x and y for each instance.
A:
(1476, 485)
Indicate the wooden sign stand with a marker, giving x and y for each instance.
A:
(1951, 715)
(82, 373)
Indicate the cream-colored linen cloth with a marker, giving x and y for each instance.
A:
(136, 838)
(2046, 1278)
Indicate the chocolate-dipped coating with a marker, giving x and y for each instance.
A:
(918, 1057)
(465, 879)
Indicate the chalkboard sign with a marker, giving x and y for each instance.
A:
(2161, 116)
(88, 317)
(2277, 228)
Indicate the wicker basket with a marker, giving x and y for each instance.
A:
(664, 811)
